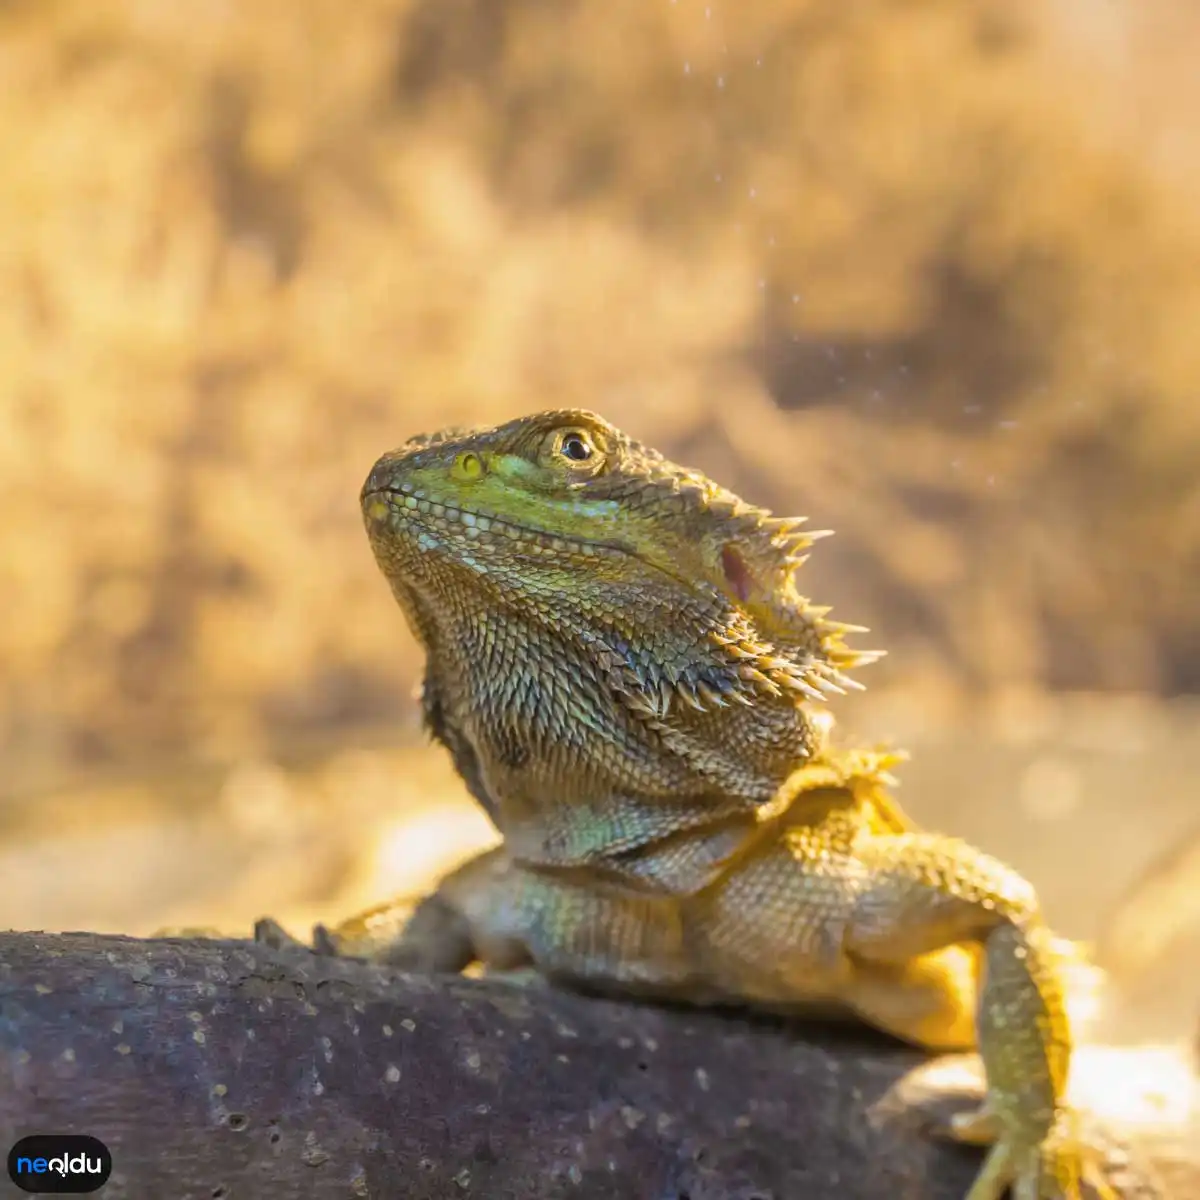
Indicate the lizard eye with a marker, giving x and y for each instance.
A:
(467, 466)
(575, 445)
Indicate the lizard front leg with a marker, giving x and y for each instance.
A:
(511, 918)
(469, 918)
(920, 892)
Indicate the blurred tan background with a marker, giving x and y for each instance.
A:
(928, 271)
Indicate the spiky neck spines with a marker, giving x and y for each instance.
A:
(792, 642)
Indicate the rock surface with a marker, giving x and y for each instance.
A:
(227, 1071)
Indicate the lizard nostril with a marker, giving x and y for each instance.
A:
(380, 476)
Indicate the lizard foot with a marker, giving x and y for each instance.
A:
(1063, 1166)
(430, 938)
(268, 932)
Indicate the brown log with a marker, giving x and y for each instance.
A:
(221, 1070)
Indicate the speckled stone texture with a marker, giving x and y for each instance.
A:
(228, 1071)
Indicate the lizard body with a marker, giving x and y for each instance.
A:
(628, 680)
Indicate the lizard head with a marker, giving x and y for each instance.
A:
(560, 512)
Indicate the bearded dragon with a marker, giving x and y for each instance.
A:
(631, 685)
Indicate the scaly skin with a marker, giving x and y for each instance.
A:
(628, 681)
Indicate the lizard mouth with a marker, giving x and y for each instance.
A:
(412, 505)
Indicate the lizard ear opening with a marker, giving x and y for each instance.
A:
(737, 573)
